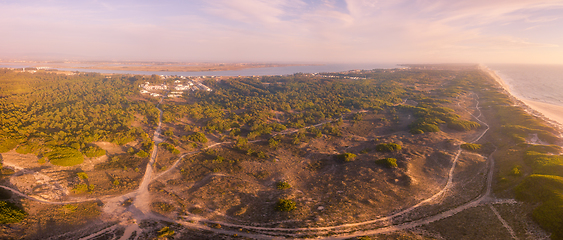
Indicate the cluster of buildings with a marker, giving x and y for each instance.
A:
(177, 90)
(334, 76)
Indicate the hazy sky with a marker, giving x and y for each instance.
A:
(386, 31)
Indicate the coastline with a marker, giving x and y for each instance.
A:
(552, 114)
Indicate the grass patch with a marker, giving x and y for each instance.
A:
(7, 144)
(65, 156)
(549, 191)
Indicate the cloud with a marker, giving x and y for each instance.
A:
(284, 30)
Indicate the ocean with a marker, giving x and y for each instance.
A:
(244, 72)
(542, 83)
(538, 86)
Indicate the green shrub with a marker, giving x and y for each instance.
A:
(131, 151)
(10, 213)
(388, 147)
(169, 133)
(473, 147)
(82, 175)
(169, 147)
(65, 156)
(285, 205)
(142, 154)
(241, 143)
(198, 137)
(283, 185)
(82, 188)
(93, 151)
(272, 143)
(165, 232)
(387, 162)
(516, 171)
(347, 157)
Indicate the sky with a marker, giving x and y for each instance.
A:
(284, 31)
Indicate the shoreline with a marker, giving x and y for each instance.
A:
(550, 113)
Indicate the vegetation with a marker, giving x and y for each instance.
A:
(198, 137)
(142, 154)
(388, 147)
(283, 185)
(347, 157)
(93, 151)
(43, 111)
(285, 205)
(58, 117)
(387, 162)
(165, 232)
(82, 188)
(65, 156)
(473, 147)
(169, 147)
(548, 190)
(82, 175)
(10, 213)
(516, 171)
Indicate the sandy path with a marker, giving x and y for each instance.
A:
(504, 223)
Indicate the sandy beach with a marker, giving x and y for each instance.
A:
(552, 113)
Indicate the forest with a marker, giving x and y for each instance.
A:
(58, 116)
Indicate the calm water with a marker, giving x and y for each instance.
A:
(244, 72)
(542, 83)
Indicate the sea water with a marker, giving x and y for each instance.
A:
(542, 83)
(287, 70)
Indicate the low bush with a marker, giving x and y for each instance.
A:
(285, 205)
(388, 147)
(387, 162)
(197, 137)
(516, 171)
(82, 188)
(347, 157)
(283, 185)
(142, 154)
(169, 147)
